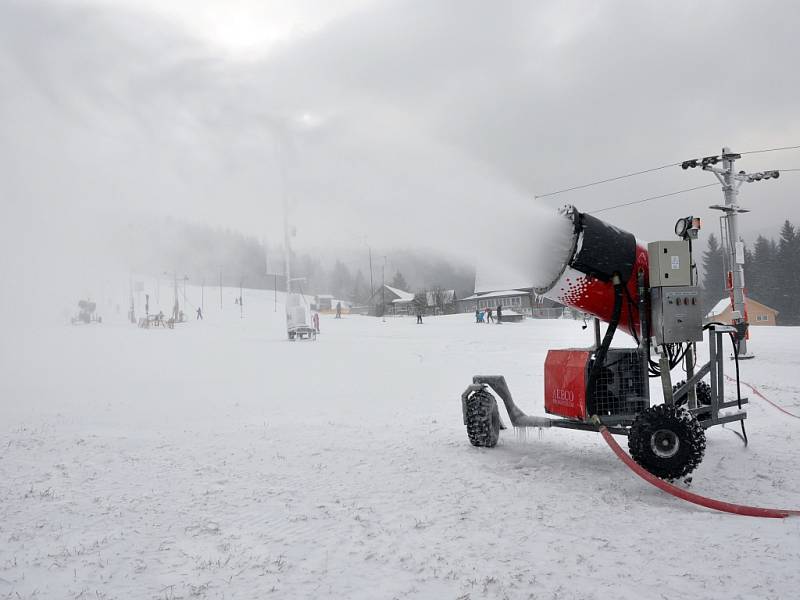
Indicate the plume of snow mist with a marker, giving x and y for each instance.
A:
(525, 246)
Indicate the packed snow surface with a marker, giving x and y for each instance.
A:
(219, 460)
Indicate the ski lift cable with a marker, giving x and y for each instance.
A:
(651, 170)
(610, 179)
(772, 150)
(649, 198)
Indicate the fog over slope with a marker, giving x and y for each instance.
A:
(408, 125)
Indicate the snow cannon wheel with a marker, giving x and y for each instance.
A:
(667, 441)
(703, 392)
(483, 419)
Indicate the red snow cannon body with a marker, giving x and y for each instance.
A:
(565, 375)
(599, 251)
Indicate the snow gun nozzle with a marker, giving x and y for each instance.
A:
(601, 259)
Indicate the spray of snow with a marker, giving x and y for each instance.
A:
(527, 246)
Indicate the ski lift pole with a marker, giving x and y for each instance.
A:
(734, 253)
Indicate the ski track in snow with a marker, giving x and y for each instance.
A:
(220, 461)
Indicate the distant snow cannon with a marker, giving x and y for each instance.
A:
(86, 313)
(299, 325)
(600, 254)
(649, 292)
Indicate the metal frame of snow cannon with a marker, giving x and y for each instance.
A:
(714, 367)
(654, 431)
(709, 415)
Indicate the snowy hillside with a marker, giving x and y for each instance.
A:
(219, 460)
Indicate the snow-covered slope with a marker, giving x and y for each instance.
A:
(219, 460)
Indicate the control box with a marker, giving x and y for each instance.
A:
(669, 263)
(677, 314)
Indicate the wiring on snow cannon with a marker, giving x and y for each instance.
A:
(602, 351)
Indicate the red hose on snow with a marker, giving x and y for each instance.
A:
(763, 397)
(736, 509)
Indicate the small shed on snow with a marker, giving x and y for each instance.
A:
(391, 301)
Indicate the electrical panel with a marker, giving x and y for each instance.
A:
(677, 314)
(669, 263)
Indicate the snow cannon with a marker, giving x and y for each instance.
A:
(650, 292)
(299, 323)
(86, 313)
(598, 253)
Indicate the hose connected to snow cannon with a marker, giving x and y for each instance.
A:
(729, 507)
(598, 254)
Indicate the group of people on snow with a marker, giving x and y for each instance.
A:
(486, 315)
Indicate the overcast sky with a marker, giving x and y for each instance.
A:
(419, 124)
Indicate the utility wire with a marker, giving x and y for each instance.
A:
(660, 168)
(771, 150)
(585, 185)
(699, 187)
